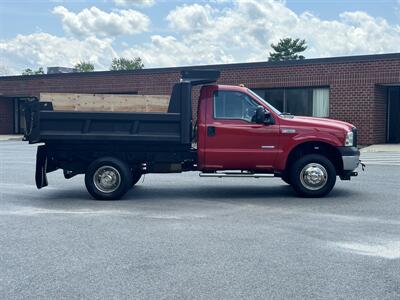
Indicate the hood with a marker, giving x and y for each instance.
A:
(319, 122)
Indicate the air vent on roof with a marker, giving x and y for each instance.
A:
(59, 70)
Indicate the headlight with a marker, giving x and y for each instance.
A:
(349, 139)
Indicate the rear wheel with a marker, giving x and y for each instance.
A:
(313, 175)
(108, 178)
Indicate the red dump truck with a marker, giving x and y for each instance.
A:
(236, 134)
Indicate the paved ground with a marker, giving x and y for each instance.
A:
(381, 158)
(10, 137)
(382, 148)
(181, 236)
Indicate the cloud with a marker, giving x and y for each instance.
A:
(168, 51)
(4, 70)
(244, 31)
(200, 33)
(190, 17)
(43, 49)
(147, 3)
(95, 22)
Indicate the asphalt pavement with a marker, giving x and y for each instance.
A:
(178, 236)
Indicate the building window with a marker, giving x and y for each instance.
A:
(298, 101)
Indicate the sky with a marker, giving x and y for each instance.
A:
(169, 33)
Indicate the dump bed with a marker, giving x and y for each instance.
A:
(43, 124)
(175, 126)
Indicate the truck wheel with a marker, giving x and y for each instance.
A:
(286, 178)
(108, 178)
(313, 175)
(136, 177)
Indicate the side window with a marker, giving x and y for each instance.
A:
(233, 105)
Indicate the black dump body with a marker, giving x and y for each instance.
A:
(74, 139)
(173, 127)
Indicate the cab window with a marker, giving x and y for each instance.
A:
(234, 105)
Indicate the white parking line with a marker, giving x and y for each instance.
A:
(389, 250)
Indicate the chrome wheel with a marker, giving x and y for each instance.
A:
(313, 176)
(107, 179)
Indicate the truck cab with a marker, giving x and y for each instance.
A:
(238, 130)
(236, 134)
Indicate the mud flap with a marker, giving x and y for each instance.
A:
(41, 167)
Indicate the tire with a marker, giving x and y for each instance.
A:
(321, 176)
(108, 178)
(286, 179)
(136, 177)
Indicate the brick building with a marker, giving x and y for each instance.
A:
(363, 90)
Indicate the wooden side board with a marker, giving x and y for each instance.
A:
(107, 102)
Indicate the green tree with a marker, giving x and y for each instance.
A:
(29, 71)
(84, 66)
(287, 49)
(126, 64)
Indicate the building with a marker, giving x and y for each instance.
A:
(363, 90)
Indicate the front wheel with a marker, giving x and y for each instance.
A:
(286, 178)
(108, 178)
(313, 175)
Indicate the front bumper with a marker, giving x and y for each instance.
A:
(350, 158)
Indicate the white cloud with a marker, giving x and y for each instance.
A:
(4, 70)
(43, 49)
(190, 17)
(201, 34)
(95, 22)
(147, 3)
(168, 51)
(244, 32)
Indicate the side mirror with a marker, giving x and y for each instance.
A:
(268, 118)
(260, 115)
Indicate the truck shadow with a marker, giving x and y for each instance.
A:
(233, 193)
(240, 194)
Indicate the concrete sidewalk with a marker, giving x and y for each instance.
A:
(11, 137)
(381, 148)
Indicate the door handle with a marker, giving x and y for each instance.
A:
(210, 130)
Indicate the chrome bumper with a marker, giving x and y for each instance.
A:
(350, 158)
(350, 163)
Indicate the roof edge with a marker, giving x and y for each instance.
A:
(308, 61)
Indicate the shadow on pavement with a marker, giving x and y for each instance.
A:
(238, 194)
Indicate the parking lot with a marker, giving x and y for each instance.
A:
(181, 236)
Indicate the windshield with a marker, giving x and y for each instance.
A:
(265, 102)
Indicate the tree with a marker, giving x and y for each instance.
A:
(126, 64)
(32, 72)
(287, 49)
(84, 66)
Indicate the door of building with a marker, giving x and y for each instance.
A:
(393, 126)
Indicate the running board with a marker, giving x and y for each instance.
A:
(250, 175)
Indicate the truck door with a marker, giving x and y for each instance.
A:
(233, 140)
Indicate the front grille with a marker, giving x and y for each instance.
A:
(355, 137)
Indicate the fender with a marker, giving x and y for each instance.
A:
(292, 142)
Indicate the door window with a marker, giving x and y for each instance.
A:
(234, 105)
